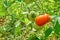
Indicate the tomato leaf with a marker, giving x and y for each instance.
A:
(8, 3)
(29, 1)
(17, 30)
(56, 0)
(48, 31)
(57, 28)
(19, 0)
(2, 12)
(33, 37)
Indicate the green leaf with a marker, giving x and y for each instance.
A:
(57, 28)
(2, 12)
(26, 21)
(8, 3)
(51, 0)
(19, 0)
(57, 0)
(29, 1)
(33, 37)
(48, 31)
(17, 31)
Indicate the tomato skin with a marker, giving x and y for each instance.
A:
(42, 19)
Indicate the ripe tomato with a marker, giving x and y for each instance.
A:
(42, 19)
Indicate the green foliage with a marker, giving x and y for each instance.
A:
(29, 1)
(19, 0)
(56, 26)
(2, 12)
(20, 15)
(48, 31)
(33, 37)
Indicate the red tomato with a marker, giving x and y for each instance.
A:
(42, 19)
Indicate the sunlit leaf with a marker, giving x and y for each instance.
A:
(51, 0)
(17, 30)
(2, 12)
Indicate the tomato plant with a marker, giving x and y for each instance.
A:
(29, 19)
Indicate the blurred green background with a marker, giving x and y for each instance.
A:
(17, 20)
